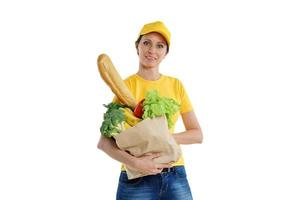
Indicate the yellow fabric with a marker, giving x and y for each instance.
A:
(157, 27)
(166, 86)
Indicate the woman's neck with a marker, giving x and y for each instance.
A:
(151, 74)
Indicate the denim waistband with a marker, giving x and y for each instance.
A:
(167, 170)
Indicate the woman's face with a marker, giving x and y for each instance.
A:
(152, 49)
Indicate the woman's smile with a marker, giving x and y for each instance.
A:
(150, 58)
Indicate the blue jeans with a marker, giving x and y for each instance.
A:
(171, 185)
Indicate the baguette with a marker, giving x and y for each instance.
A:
(112, 78)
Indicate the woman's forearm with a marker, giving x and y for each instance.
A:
(110, 148)
(193, 133)
(144, 164)
(192, 136)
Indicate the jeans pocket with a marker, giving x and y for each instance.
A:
(125, 181)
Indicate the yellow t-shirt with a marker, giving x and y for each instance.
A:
(167, 87)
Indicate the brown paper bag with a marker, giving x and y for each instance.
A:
(150, 135)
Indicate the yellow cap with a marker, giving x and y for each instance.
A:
(157, 27)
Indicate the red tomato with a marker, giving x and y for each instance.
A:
(138, 110)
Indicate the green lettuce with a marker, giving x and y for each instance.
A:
(155, 106)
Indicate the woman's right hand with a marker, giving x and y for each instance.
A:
(146, 165)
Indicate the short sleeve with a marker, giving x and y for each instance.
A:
(185, 105)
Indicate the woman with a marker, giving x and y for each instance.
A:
(163, 181)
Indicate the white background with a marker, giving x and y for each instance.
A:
(238, 60)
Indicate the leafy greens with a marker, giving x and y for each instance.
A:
(113, 122)
(154, 106)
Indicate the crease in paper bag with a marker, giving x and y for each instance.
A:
(150, 135)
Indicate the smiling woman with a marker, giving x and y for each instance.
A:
(152, 47)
